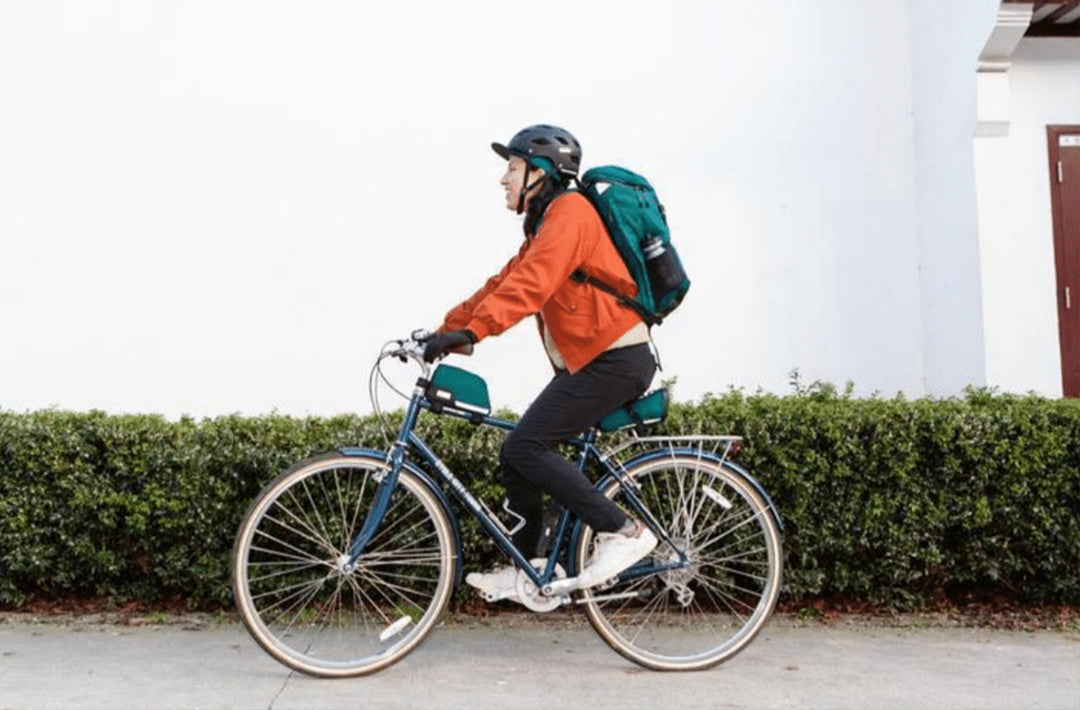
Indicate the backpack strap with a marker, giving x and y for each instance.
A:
(582, 277)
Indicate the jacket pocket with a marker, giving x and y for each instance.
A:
(575, 298)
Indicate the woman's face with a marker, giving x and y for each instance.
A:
(514, 179)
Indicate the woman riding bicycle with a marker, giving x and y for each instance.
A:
(599, 350)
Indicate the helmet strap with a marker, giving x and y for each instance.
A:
(526, 188)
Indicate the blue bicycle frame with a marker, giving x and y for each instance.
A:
(408, 440)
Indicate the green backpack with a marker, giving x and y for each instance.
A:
(637, 224)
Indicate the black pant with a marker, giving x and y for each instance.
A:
(570, 404)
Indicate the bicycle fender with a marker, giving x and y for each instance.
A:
(714, 458)
(761, 491)
(358, 452)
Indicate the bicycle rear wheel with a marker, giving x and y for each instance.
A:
(289, 581)
(702, 614)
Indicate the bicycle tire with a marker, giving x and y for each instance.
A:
(701, 615)
(292, 593)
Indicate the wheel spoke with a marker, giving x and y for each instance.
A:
(299, 556)
(288, 603)
(321, 542)
(311, 531)
(290, 568)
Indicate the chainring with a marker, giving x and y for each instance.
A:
(530, 596)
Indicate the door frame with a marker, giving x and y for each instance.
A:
(1066, 254)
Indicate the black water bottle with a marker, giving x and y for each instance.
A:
(665, 272)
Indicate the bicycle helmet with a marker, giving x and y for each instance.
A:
(544, 141)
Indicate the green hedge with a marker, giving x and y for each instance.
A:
(888, 501)
(900, 502)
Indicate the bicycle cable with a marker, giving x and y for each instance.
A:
(392, 348)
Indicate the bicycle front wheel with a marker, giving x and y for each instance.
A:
(698, 615)
(288, 569)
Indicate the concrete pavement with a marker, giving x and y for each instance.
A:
(538, 662)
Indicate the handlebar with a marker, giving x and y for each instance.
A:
(412, 348)
(406, 349)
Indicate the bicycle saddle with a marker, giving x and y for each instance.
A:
(648, 409)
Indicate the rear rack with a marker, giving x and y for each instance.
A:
(696, 445)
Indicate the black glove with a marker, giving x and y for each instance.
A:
(442, 343)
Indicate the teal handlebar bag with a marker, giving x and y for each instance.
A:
(460, 389)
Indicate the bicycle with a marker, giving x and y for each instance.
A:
(345, 562)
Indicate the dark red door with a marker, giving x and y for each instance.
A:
(1065, 199)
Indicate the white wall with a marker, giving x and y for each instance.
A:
(803, 192)
(228, 206)
(1015, 219)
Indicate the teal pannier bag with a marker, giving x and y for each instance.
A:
(635, 219)
(460, 389)
(650, 409)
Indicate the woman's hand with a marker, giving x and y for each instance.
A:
(444, 342)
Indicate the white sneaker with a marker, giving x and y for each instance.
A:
(500, 583)
(615, 552)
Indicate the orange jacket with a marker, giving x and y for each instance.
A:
(583, 320)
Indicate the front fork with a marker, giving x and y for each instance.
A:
(387, 480)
